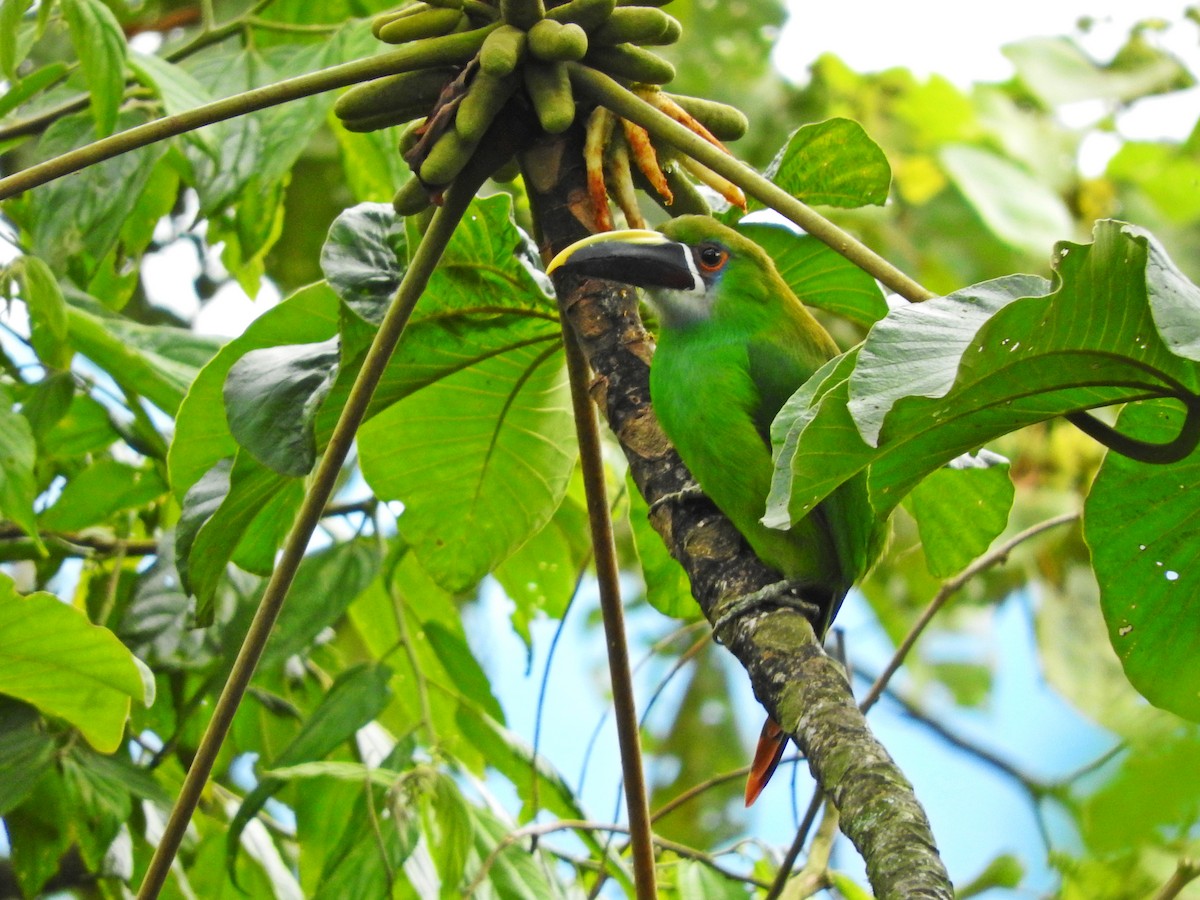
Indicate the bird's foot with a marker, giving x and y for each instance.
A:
(780, 595)
(688, 492)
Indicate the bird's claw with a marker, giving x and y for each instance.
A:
(687, 492)
(780, 595)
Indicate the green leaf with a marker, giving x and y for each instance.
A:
(22, 90)
(940, 378)
(357, 696)
(1058, 71)
(481, 460)
(542, 575)
(26, 752)
(100, 46)
(1166, 173)
(178, 90)
(1155, 788)
(448, 832)
(271, 397)
(364, 258)
(326, 584)
(247, 527)
(153, 361)
(1140, 523)
(696, 879)
(516, 873)
(488, 265)
(18, 456)
(101, 490)
(833, 163)
(818, 275)
(460, 664)
(47, 310)
(52, 657)
(1016, 207)
(960, 510)
(11, 13)
(74, 223)
(202, 435)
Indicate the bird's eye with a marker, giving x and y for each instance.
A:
(711, 257)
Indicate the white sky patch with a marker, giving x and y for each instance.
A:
(229, 311)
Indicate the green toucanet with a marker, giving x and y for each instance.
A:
(734, 344)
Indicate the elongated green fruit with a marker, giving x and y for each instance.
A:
(447, 50)
(727, 123)
(446, 4)
(522, 13)
(409, 136)
(485, 98)
(446, 159)
(426, 24)
(480, 12)
(630, 62)
(411, 198)
(552, 41)
(638, 25)
(587, 14)
(642, 2)
(395, 92)
(390, 16)
(503, 50)
(550, 90)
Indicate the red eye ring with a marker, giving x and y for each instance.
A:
(711, 257)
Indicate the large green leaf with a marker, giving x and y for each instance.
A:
(938, 379)
(18, 455)
(47, 309)
(271, 396)
(833, 163)
(1015, 206)
(818, 275)
(151, 361)
(202, 435)
(960, 510)
(488, 264)
(75, 222)
(100, 45)
(52, 657)
(100, 490)
(1142, 526)
(480, 459)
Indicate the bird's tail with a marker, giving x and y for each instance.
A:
(771, 743)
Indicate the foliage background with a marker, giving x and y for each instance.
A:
(1014, 689)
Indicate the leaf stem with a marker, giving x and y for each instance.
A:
(627, 105)
(608, 577)
(321, 488)
(404, 58)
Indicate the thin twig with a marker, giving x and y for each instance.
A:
(946, 591)
(815, 874)
(609, 583)
(1186, 871)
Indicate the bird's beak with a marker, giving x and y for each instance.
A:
(641, 258)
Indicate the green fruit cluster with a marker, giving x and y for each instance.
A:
(468, 59)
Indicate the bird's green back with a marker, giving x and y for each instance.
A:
(717, 382)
